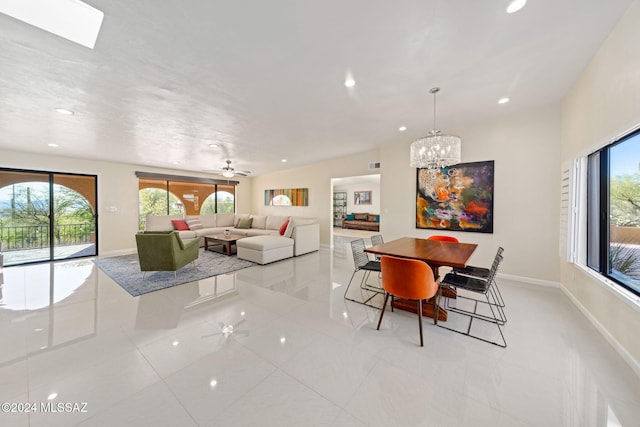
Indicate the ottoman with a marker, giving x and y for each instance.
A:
(265, 249)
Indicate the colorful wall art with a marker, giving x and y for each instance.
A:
(458, 197)
(287, 197)
(362, 197)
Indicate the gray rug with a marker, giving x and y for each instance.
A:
(125, 271)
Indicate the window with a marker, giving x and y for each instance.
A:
(613, 212)
(171, 195)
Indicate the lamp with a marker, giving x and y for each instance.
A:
(228, 174)
(435, 150)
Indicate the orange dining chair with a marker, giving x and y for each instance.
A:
(443, 238)
(408, 279)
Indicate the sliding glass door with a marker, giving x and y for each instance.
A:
(47, 216)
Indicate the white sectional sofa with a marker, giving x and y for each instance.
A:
(305, 232)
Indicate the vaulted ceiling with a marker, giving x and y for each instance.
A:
(264, 80)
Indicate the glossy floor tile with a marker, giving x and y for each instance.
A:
(278, 345)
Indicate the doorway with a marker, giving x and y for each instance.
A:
(47, 216)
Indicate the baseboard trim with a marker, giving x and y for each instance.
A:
(108, 254)
(530, 280)
(634, 364)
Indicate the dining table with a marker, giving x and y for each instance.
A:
(433, 252)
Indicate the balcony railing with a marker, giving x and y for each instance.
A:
(18, 238)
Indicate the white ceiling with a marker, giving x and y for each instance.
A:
(264, 79)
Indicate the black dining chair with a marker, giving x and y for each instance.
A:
(479, 293)
(483, 273)
(363, 263)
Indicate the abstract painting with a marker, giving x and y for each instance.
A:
(457, 197)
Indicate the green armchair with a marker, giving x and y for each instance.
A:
(165, 251)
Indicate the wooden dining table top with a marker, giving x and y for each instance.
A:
(434, 252)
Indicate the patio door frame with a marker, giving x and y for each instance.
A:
(51, 181)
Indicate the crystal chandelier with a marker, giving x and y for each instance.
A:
(435, 150)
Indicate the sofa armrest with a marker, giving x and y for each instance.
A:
(306, 238)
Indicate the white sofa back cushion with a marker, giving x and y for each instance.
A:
(208, 221)
(224, 219)
(259, 221)
(274, 222)
(160, 222)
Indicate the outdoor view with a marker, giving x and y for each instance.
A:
(31, 231)
(624, 200)
(183, 198)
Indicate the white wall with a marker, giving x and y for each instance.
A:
(605, 102)
(526, 196)
(317, 178)
(117, 187)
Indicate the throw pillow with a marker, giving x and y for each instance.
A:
(283, 228)
(244, 223)
(372, 218)
(350, 217)
(179, 224)
(194, 224)
(361, 216)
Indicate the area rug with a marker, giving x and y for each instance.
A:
(125, 271)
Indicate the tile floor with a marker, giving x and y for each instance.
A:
(278, 345)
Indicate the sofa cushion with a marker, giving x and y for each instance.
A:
(179, 224)
(274, 222)
(225, 219)
(295, 222)
(361, 216)
(238, 217)
(207, 221)
(244, 223)
(264, 243)
(160, 222)
(259, 221)
(194, 224)
(283, 228)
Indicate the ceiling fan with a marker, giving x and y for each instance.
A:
(229, 172)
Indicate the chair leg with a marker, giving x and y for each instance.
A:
(349, 284)
(436, 305)
(175, 274)
(420, 321)
(144, 273)
(386, 298)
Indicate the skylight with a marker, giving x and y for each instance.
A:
(71, 19)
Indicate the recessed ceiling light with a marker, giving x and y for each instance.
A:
(53, 145)
(64, 111)
(213, 145)
(69, 19)
(349, 82)
(52, 396)
(503, 100)
(402, 128)
(516, 5)
(284, 160)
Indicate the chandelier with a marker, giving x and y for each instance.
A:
(435, 151)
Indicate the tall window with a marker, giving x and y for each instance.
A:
(613, 216)
(171, 195)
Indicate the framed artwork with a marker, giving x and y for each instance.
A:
(457, 198)
(287, 197)
(362, 197)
